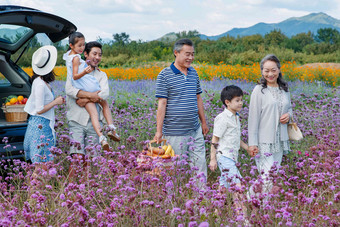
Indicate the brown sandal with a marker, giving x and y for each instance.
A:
(113, 136)
(105, 145)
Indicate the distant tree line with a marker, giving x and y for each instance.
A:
(302, 48)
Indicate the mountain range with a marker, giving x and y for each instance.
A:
(290, 27)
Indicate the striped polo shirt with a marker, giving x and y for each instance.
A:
(180, 90)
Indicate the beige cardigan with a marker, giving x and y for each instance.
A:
(264, 118)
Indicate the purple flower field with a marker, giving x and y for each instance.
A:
(120, 192)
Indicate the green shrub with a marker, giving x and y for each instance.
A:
(119, 60)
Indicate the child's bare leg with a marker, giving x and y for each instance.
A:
(238, 201)
(76, 160)
(93, 112)
(112, 134)
(106, 112)
(37, 173)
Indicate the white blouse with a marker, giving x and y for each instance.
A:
(227, 127)
(41, 95)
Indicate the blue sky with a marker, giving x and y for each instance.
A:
(150, 19)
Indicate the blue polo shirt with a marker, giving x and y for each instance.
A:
(180, 90)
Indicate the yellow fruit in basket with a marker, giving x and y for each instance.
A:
(172, 153)
(13, 100)
(8, 103)
(168, 150)
(20, 98)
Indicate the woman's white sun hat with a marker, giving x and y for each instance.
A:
(44, 60)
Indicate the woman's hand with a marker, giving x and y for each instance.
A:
(253, 150)
(59, 100)
(213, 164)
(284, 118)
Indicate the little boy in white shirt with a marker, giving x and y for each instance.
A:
(226, 140)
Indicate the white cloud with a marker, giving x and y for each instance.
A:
(151, 19)
(251, 2)
(304, 5)
(334, 11)
(102, 7)
(167, 11)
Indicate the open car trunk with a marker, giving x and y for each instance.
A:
(18, 25)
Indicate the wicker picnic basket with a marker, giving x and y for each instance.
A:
(154, 164)
(15, 113)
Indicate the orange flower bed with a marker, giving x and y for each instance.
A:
(290, 70)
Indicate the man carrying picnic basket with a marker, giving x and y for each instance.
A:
(180, 107)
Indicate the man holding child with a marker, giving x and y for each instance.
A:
(80, 126)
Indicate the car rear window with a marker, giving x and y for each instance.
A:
(12, 33)
(3, 79)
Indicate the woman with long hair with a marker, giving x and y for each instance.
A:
(270, 110)
(40, 134)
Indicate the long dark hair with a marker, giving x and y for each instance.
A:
(48, 78)
(282, 84)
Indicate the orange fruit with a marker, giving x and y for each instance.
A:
(13, 100)
(20, 98)
(8, 103)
